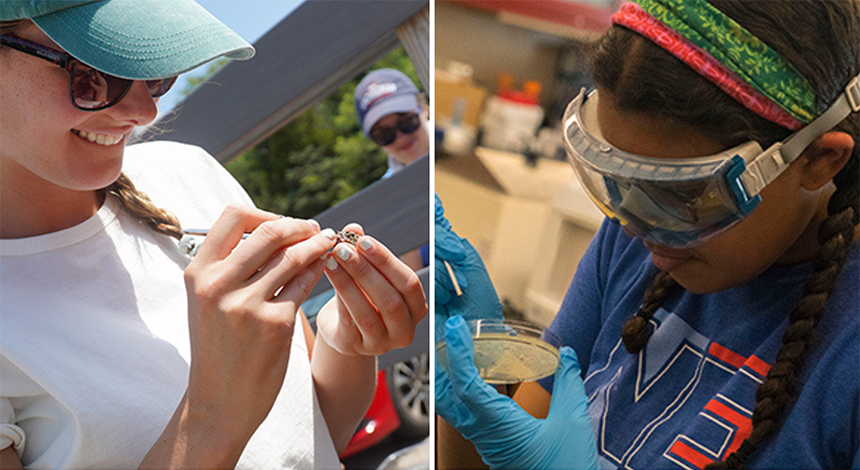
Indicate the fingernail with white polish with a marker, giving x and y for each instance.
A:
(365, 244)
(344, 253)
(324, 256)
(331, 264)
(315, 223)
(329, 233)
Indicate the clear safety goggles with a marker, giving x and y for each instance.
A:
(678, 202)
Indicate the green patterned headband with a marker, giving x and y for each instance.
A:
(740, 51)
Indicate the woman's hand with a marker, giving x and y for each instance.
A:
(378, 299)
(243, 297)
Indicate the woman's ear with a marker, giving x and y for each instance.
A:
(825, 157)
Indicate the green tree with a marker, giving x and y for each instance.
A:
(319, 158)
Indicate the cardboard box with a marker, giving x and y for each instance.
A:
(448, 92)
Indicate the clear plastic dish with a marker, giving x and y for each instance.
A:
(510, 351)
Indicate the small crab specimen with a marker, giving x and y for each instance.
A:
(348, 237)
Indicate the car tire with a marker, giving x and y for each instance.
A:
(409, 385)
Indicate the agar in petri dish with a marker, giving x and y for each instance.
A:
(510, 351)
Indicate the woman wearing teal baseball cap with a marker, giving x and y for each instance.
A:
(116, 349)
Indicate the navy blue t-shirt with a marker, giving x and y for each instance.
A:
(687, 398)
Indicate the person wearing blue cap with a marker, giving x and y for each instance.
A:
(394, 114)
(117, 350)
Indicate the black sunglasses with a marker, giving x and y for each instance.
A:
(89, 89)
(406, 124)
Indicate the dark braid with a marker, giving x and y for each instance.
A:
(824, 45)
(777, 391)
(636, 330)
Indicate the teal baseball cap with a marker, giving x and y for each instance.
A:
(134, 39)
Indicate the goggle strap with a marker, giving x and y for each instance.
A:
(764, 169)
(839, 110)
(852, 91)
(772, 162)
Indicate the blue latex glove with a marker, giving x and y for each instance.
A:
(504, 434)
(479, 299)
(449, 247)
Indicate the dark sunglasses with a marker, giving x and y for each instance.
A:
(89, 89)
(406, 124)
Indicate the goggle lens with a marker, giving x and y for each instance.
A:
(671, 202)
(92, 90)
(406, 124)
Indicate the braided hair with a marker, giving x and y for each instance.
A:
(141, 207)
(134, 201)
(822, 41)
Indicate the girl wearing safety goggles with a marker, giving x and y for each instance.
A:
(116, 349)
(715, 315)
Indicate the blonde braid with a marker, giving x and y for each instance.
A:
(141, 207)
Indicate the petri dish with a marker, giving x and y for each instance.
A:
(510, 351)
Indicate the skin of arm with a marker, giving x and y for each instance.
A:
(532, 397)
(190, 437)
(342, 406)
(455, 452)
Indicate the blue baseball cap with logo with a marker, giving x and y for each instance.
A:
(134, 39)
(383, 92)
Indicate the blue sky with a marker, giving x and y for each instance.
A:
(251, 19)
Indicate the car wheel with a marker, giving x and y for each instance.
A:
(409, 383)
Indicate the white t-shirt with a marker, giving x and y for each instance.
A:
(94, 343)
